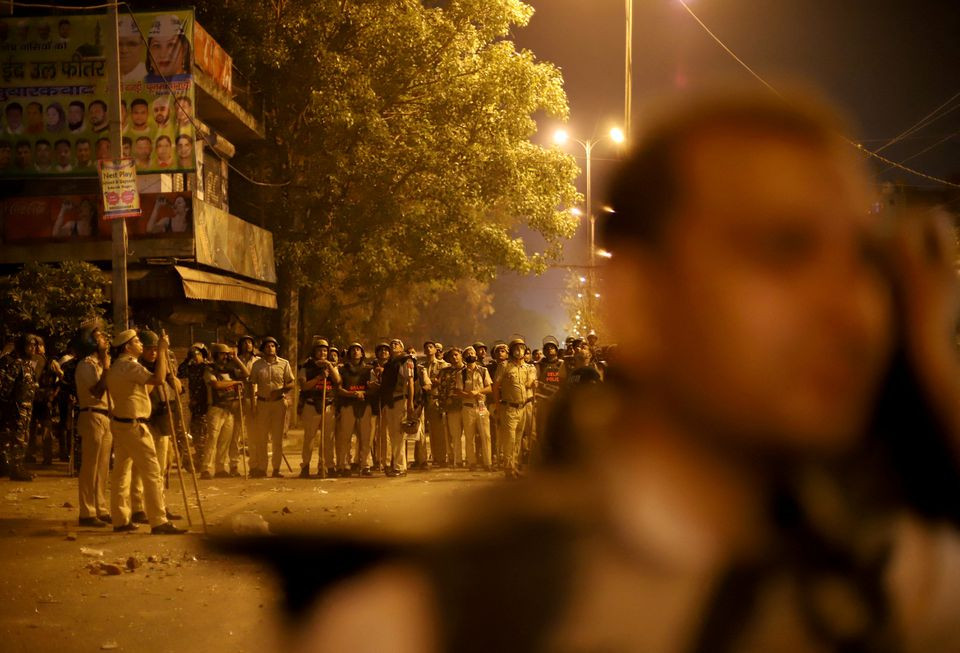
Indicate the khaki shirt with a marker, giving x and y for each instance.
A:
(476, 379)
(269, 376)
(88, 375)
(126, 382)
(513, 380)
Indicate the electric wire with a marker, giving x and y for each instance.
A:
(758, 77)
(923, 122)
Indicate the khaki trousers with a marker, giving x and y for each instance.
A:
(476, 426)
(237, 432)
(96, 440)
(438, 434)
(133, 445)
(510, 433)
(219, 434)
(161, 443)
(396, 450)
(349, 425)
(270, 424)
(311, 424)
(455, 436)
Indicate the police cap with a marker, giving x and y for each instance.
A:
(220, 348)
(320, 342)
(551, 340)
(122, 338)
(269, 339)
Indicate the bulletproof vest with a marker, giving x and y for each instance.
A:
(354, 379)
(550, 373)
(312, 369)
(222, 397)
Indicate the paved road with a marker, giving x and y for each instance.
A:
(183, 597)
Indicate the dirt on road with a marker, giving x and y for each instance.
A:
(67, 588)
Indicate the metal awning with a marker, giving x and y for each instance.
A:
(198, 284)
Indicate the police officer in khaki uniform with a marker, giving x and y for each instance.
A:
(93, 425)
(159, 426)
(473, 384)
(127, 382)
(273, 379)
(513, 383)
(494, 363)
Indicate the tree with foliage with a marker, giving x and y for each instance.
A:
(583, 303)
(403, 128)
(51, 301)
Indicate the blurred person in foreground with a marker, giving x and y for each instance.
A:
(772, 464)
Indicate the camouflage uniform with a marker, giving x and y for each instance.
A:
(17, 389)
(199, 403)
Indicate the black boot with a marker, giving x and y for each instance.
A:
(19, 473)
(15, 456)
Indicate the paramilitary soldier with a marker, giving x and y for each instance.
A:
(451, 403)
(193, 369)
(355, 411)
(127, 382)
(550, 372)
(224, 379)
(246, 357)
(318, 379)
(432, 411)
(160, 397)
(17, 387)
(381, 354)
(397, 397)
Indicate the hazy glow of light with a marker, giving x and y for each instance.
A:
(616, 135)
(560, 137)
(575, 211)
(583, 279)
(608, 209)
(604, 253)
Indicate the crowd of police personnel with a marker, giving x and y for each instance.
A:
(111, 405)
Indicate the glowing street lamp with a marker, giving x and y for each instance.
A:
(562, 137)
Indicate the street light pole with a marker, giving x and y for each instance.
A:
(119, 227)
(617, 136)
(628, 72)
(588, 149)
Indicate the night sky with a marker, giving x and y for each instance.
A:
(888, 63)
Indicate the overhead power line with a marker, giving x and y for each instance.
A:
(875, 154)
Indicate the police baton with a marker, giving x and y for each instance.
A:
(243, 433)
(323, 427)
